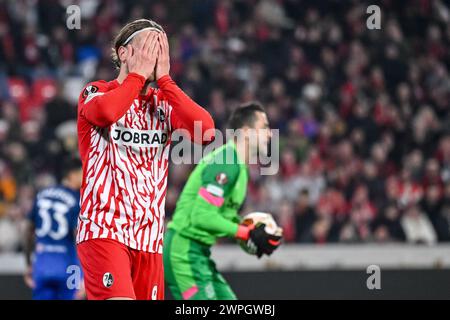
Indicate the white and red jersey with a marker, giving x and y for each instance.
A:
(124, 141)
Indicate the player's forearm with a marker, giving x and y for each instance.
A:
(185, 111)
(206, 217)
(28, 257)
(29, 243)
(105, 109)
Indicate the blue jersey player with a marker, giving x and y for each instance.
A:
(51, 236)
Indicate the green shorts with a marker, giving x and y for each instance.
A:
(189, 271)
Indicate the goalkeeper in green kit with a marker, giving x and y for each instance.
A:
(208, 209)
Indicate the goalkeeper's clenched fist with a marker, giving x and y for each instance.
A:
(261, 242)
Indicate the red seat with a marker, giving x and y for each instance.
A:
(44, 90)
(27, 108)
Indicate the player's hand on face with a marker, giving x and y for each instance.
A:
(163, 63)
(265, 243)
(143, 53)
(28, 277)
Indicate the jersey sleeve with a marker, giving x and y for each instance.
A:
(217, 182)
(102, 107)
(185, 111)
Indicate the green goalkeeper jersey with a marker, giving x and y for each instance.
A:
(208, 205)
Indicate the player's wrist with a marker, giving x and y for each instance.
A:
(243, 232)
(161, 80)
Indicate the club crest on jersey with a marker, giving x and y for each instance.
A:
(89, 90)
(160, 114)
(221, 178)
(108, 280)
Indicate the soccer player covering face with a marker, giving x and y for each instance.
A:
(208, 209)
(124, 131)
(50, 236)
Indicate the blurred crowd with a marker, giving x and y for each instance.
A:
(363, 114)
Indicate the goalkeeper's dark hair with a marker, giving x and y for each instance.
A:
(126, 32)
(69, 165)
(245, 115)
